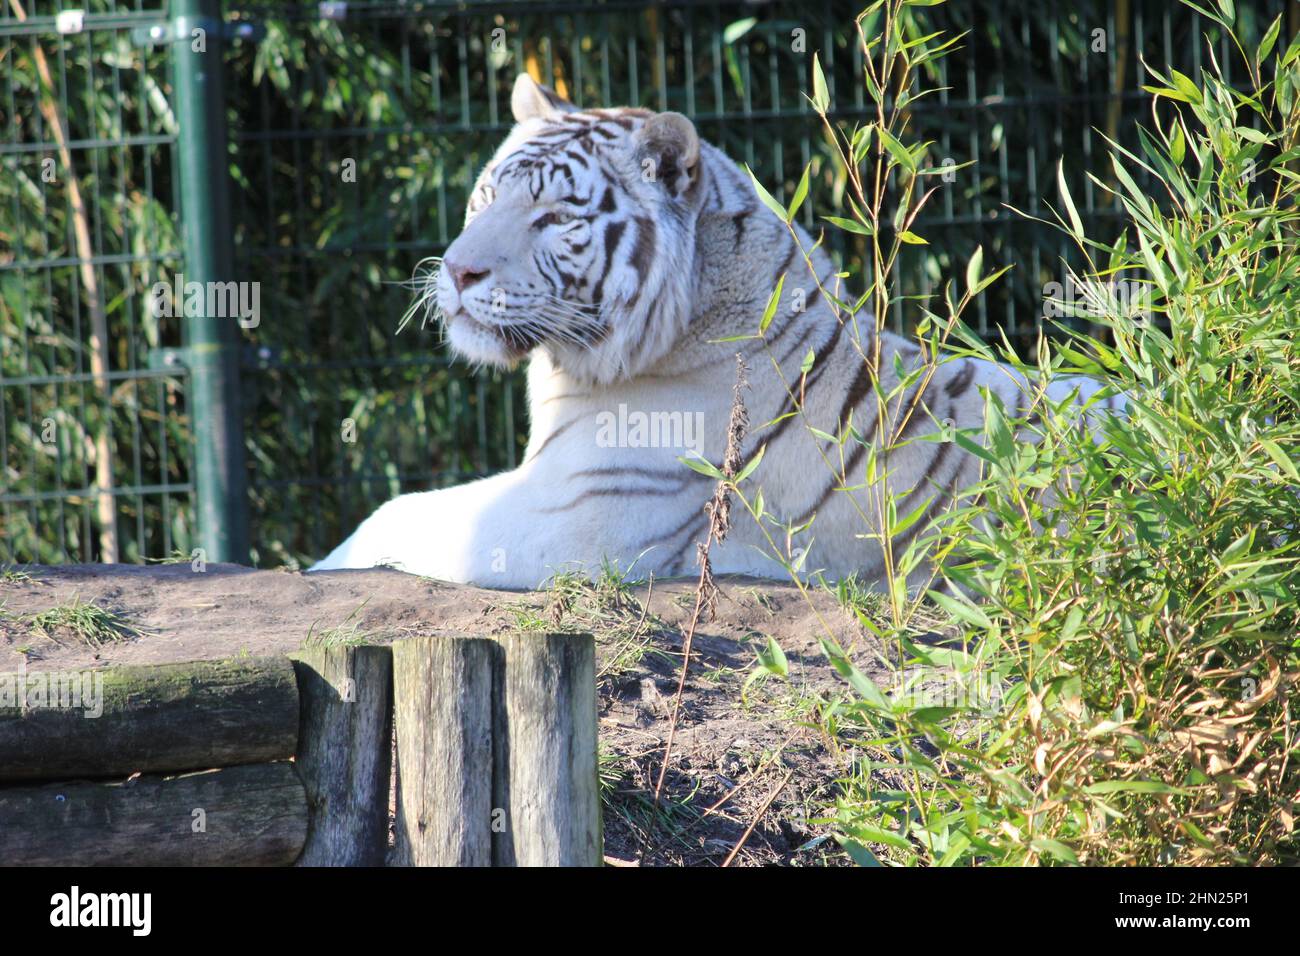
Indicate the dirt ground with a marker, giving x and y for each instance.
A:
(743, 756)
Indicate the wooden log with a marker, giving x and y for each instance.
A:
(544, 770)
(345, 753)
(238, 816)
(166, 717)
(442, 703)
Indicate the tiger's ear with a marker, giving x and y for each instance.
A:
(668, 152)
(531, 100)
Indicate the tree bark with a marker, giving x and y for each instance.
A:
(443, 706)
(545, 752)
(240, 816)
(344, 753)
(165, 717)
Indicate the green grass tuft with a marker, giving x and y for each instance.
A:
(85, 622)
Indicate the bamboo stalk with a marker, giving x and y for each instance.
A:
(99, 447)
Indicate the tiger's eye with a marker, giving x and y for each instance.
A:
(552, 218)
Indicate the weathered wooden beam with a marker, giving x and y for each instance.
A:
(254, 815)
(166, 717)
(545, 783)
(442, 693)
(345, 753)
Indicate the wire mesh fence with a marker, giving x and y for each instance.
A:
(355, 133)
(94, 449)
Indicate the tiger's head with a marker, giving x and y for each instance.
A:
(579, 239)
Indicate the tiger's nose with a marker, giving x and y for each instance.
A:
(465, 276)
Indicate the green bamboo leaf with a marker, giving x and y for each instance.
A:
(1169, 93)
(734, 31)
(877, 835)
(989, 279)
(850, 225)
(1283, 460)
(1186, 86)
(773, 659)
(821, 98)
(772, 303)
(1132, 786)
(1055, 849)
(1270, 38)
(751, 465)
(764, 196)
(975, 448)
(897, 150)
(961, 609)
(858, 853)
(1076, 224)
(864, 685)
(703, 466)
(973, 269)
(800, 192)
(1178, 148)
(912, 517)
(999, 432)
(1292, 51)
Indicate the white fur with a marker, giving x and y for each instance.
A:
(552, 514)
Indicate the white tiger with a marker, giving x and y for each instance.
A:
(613, 249)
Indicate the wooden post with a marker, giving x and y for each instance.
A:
(254, 815)
(545, 752)
(345, 753)
(442, 701)
(165, 717)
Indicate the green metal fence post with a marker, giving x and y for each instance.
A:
(196, 34)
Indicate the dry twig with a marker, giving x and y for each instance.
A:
(757, 816)
(719, 511)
